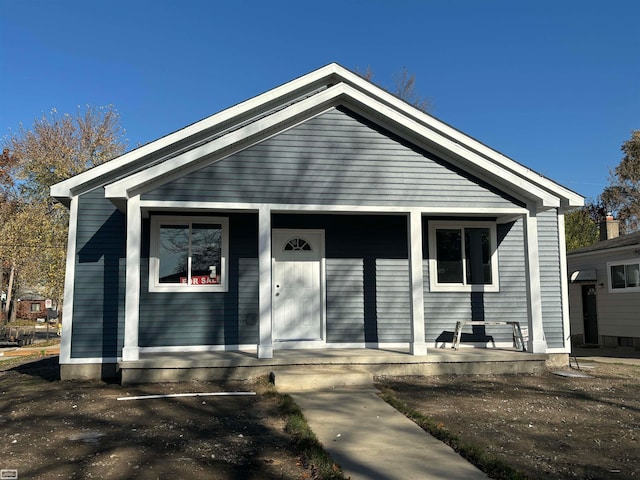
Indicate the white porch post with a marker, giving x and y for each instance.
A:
(265, 347)
(564, 282)
(418, 345)
(69, 284)
(537, 342)
(131, 349)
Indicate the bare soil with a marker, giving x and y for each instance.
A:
(544, 426)
(51, 429)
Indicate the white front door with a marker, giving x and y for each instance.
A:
(297, 302)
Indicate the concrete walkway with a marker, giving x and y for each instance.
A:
(370, 440)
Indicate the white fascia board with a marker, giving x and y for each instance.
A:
(573, 199)
(499, 173)
(337, 94)
(224, 146)
(66, 187)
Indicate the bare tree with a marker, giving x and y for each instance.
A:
(405, 87)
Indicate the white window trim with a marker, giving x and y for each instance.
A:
(435, 286)
(154, 263)
(609, 279)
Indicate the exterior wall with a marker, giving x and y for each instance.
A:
(550, 279)
(206, 318)
(24, 311)
(333, 159)
(617, 312)
(367, 275)
(98, 311)
(443, 309)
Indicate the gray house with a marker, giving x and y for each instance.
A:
(604, 290)
(325, 213)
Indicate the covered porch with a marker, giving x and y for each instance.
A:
(350, 264)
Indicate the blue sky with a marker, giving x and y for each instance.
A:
(554, 85)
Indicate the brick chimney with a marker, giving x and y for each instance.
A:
(609, 228)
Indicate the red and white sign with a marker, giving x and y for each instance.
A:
(201, 280)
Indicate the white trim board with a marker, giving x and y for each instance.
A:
(310, 84)
(341, 94)
(69, 284)
(193, 206)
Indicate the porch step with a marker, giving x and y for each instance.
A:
(307, 378)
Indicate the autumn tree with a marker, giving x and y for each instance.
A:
(622, 196)
(33, 233)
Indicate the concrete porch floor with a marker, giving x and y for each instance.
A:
(234, 365)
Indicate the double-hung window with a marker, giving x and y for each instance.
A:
(188, 254)
(463, 257)
(624, 276)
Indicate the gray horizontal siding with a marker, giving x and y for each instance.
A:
(333, 159)
(444, 309)
(393, 303)
(345, 299)
(510, 303)
(207, 318)
(99, 281)
(550, 280)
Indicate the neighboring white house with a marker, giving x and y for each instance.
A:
(604, 290)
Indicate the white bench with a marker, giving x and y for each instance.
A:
(518, 341)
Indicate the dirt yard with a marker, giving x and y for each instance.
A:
(545, 426)
(73, 430)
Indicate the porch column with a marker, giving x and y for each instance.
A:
(131, 349)
(69, 284)
(564, 283)
(265, 347)
(537, 342)
(418, 345)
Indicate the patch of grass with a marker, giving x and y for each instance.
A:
(492, 466)
(304, 439)
(10, 362)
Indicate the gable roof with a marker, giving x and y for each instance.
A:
(256, 119)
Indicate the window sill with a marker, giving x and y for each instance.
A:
(187, 288)
(464, 288)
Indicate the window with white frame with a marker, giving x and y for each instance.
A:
(188, 254)
(463, 256)
(624, 276)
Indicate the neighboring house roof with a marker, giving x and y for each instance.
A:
(30, 296)
(250, 122)
(630, 240)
